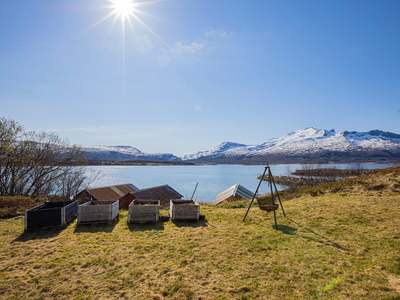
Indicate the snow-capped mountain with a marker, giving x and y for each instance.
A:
(124, 153)
(225, 146)
(313, 143)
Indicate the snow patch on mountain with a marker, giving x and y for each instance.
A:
(308, 141)
(225, 146)
(373, 134)
(121, 149)
(124, 153)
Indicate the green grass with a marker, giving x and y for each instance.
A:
(239, 204)
(329, 247)
(378, 180)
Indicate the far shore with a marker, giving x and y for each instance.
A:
(93, 162)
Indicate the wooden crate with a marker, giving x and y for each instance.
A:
(144, 211)
(98, 212)
(51, 214)
(184, 210)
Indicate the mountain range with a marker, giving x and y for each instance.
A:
(310, 144)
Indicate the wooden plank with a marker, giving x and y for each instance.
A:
(44, 217)
(95, 209)
(114, 214)
(144, 209)
(143, 218)
(186, 217)
(36, 207)
(185, 208)
(62, 210)
(96, 217)
(171, 209)
(114, 210)
(145, 202)
(71, 211)
(144, 214)
(72, 206)
(186, 212)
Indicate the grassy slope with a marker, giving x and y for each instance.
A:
(335, 246)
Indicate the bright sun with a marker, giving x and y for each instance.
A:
(122, 8)
(127, 12)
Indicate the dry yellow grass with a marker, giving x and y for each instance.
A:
(335, 246)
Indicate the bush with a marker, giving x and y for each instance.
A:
(15, 206)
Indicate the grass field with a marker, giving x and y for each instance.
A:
(333, 246)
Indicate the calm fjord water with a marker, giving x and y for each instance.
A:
(212, 179)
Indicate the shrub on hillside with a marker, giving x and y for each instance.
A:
(14, 206)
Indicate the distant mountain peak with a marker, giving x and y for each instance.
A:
(223, 147)
(121, 153)
(372, 134)
(229, 145)
(373, 145)
(307, 141)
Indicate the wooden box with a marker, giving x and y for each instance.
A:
(51, 214)
(144, 211)
(98, 212)
(184, 210)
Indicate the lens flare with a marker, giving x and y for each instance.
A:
(122, 8)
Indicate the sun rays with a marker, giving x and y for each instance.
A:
(123, 8)
(127, 12)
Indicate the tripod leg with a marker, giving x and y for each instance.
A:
(279, 198)
(272, 197)
(255, 194)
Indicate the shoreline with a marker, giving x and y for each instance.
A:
(182, 163)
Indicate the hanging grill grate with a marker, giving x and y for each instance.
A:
(263, 205)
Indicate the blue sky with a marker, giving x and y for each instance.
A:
(192, 74)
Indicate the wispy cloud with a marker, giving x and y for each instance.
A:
(203, 45)
(216, 33)
(193, 48)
